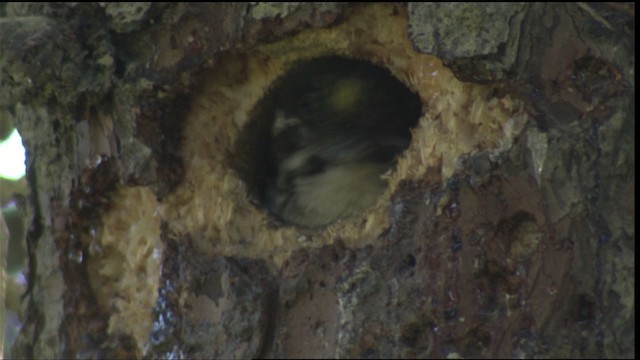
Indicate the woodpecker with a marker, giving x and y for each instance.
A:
(337, 125)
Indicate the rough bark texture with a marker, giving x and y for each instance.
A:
(525, 252)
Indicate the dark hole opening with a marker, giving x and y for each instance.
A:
(322, 136)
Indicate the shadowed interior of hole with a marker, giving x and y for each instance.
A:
(348, 102)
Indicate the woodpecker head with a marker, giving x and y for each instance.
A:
(337, 127)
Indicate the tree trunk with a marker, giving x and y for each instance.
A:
(507, 229)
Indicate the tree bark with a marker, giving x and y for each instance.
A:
(518, 244)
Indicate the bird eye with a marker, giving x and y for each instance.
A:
(328, 128)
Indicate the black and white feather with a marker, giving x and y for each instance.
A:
(337, 127)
